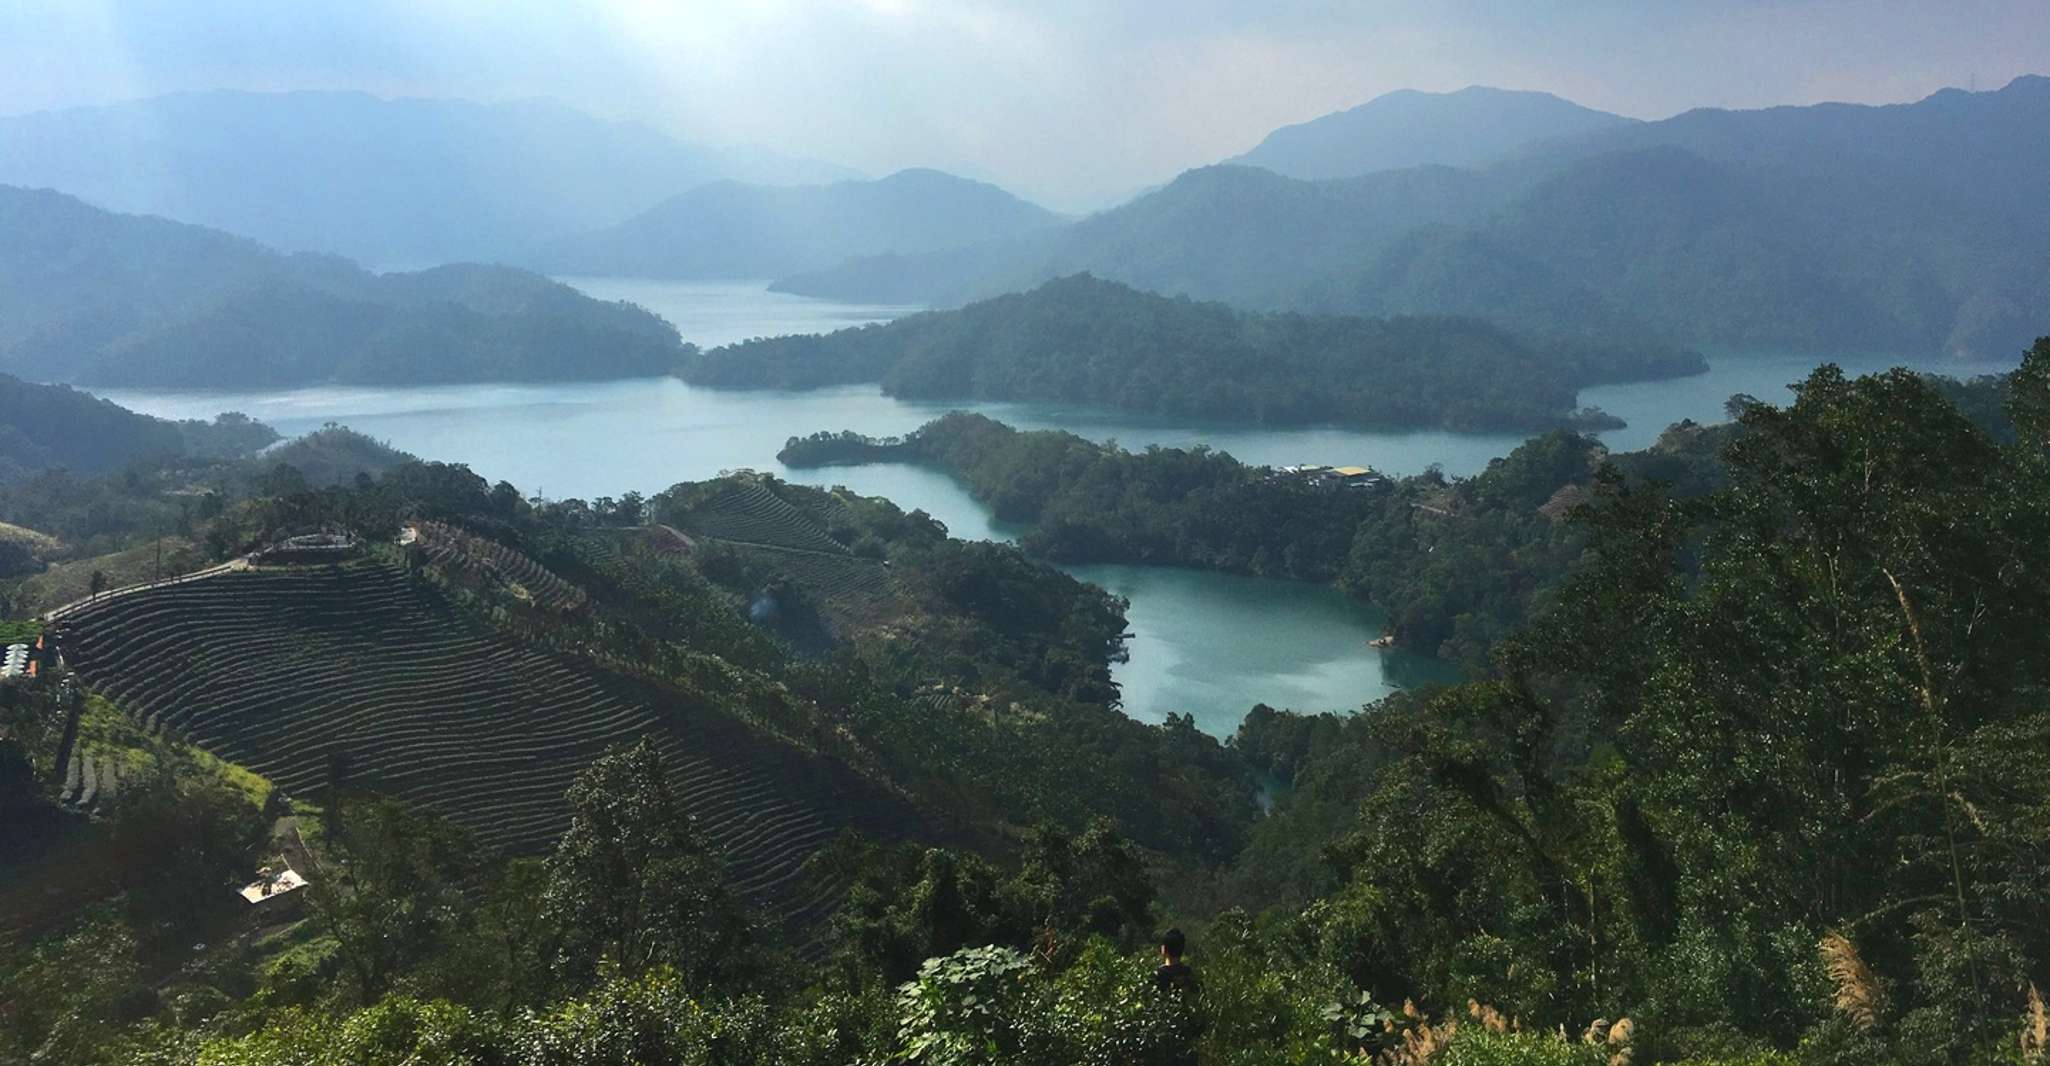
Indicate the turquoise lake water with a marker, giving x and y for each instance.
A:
(1208, 644)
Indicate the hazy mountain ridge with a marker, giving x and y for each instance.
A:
(1235, 233)
(732, 229)
(1409, 128)
(98, 297)
(384, 181)
(1910, 227)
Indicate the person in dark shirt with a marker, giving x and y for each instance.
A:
(1177, 981)
(1174, 975)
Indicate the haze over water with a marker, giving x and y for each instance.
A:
(1210, 644)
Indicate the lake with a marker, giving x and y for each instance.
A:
(1208, 644)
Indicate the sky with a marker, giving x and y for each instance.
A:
(1076, 103)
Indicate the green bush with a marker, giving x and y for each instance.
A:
(1479, 1047)
(1107, 1012)
(973, 1006)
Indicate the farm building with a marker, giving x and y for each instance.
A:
(269, 888)
(1350, 476)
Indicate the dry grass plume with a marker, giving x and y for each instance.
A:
(2035, 1029)
(1858, 995)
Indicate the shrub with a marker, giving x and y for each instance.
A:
(974, 1006)
(1474, 1046)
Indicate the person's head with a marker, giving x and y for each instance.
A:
(1172, 944)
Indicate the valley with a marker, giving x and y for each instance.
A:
(894, 534)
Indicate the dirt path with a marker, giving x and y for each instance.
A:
(682, 538)
(54, 613)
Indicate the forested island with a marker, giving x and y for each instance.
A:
(1081, 339)
(1456, 563)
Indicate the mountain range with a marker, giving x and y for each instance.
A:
(1903, 228)
(1907, 228)
(95, 297)
(731, 229)
(389, 182)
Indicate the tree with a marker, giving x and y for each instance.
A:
(1092, 884)
(503, 955)
(396, 890)
(1834, 722)
(633, 886)
(67, 995)
(183, 839)
(18, 785)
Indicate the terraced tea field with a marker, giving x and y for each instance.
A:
(290, 670)
(457, 549)
(749, 513)
(781, 538)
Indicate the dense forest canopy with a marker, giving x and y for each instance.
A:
(1085, 340)
(95, 297)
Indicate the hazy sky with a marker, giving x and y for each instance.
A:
(1068, 101)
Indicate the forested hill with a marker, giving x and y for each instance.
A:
(384, 181)
(730, 229)
(1911, 229)
(91, 296)
(1407, 128)
(1084, 340)
(45, 427)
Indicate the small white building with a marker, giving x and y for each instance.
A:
(269, 887)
